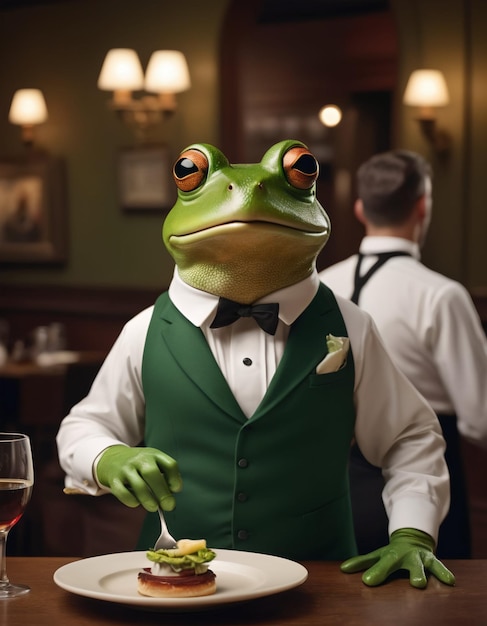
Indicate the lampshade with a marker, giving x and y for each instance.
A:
(426, 88)
(121, 70)
(167, 72)
(28, 107)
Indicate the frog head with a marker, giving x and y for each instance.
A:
(244, 231)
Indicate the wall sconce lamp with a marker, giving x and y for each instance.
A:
(28, 109)
(167, 74)
(427, 90)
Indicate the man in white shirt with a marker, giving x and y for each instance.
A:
(427, 321)
(246, 426)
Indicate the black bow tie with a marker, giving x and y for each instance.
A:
(266, 315)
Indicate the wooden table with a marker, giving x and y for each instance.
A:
(327, 597)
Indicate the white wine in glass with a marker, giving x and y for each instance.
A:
(16, 481)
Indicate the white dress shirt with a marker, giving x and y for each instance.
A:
(430, 326)
(248, 359)
(395, 427)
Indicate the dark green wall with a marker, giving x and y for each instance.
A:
(59, 48)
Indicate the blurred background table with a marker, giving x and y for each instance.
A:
(34, 395)
(34, 399)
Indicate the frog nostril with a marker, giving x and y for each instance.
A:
(230, 187)
(260, 185)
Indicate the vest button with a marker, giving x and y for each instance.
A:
(243, 535)
(247, 361)
(243, 463)
(242, 497)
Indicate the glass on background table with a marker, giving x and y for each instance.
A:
(16, 482)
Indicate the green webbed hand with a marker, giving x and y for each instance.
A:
(408, 549)
(143, 476)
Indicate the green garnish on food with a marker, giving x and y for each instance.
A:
(161, 556)
(181, 558)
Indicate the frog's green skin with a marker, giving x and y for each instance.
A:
(245, 231)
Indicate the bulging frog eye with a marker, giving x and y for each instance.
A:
(300, 167)
(190, 170)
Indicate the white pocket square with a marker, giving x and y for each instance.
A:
(337, 355)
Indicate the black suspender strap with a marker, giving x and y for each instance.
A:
(359, 281)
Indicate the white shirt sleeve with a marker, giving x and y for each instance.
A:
(397, 430)
(112, 412)
(459, 348)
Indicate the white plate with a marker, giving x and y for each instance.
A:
(240, 576)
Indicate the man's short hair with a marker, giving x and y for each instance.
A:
(389, 184)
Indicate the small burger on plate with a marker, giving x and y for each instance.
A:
(181, 572)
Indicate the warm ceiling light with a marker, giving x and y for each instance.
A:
(330, 115)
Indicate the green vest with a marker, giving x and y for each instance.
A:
(276, 483)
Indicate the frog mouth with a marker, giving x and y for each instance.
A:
(229, 228)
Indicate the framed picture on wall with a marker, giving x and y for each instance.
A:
(145, 180)
(33, 211)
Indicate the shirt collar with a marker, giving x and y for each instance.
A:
(199, 307)
(374, 245)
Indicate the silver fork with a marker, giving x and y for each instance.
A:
(166, 541)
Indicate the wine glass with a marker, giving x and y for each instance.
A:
(16, 480)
